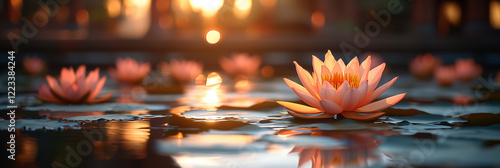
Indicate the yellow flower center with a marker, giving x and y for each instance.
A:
(336, 79)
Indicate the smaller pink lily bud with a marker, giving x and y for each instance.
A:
(33, 65)
(445, 75)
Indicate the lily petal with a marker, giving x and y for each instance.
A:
(330, 60)
(350, 99)
(381, 90)
(330, 107)
(381, 104)
(291, 84)
(357, 116)
(54, 86)
(306, 80)
(96, 89)
(327, 91)
(103, 98)
(45, 95)
(306, 97)
(299, 107)
(339, 95)
(365, 68)
(322, 115)
(353, 67)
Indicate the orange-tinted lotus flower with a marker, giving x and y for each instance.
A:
(445, 75)
(240, 64)
(466, 69)
(423, 66)
(33, 65)
(129, 70)
(334, 88)
(73, 87)
(181, 71)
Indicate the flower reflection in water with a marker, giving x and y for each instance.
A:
(361, 150)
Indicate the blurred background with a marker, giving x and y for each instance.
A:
(96, 32)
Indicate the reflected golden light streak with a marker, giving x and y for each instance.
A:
(113, 7)
(211, 97)
(452, 12)
(213, 80)
(495, 14)
(242, 8)
(213, 36)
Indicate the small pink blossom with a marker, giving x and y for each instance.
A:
(129, 70)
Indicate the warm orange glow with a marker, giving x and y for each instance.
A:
(29, 150)
(242, 85)
(268, 3)
(452, 12)
(213, 36)
(162, 5)
(267, 71)
(201, 80)
(136, 21)
(211, 97)
(242, 8)
(207, 7)
(318, 19)
(15, 12)
(113, 7)
(495, 14)
(82, 17)
(213, 80)
(165, 21)
(135, 137)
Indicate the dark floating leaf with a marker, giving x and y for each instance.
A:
(98, 107)
(423, 119)
(179, 122)
(482, 119)
(37, 124)
(111, 117)
(402, 112)
(164, 89)
(258, 106)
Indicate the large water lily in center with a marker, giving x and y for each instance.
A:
(335, 88)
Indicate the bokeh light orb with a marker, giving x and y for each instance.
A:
(213, 36)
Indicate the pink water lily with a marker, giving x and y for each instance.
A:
(73, 88)
(129, 70)
(181, 71)
(335, 88)
(466, 69)
(445, 75)
(33, 65)
(423, 66)
(240, 64)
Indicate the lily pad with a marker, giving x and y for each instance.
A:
(37, 124)
(449, 109)
(108, 117)
(423, 119)
(98, 107)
